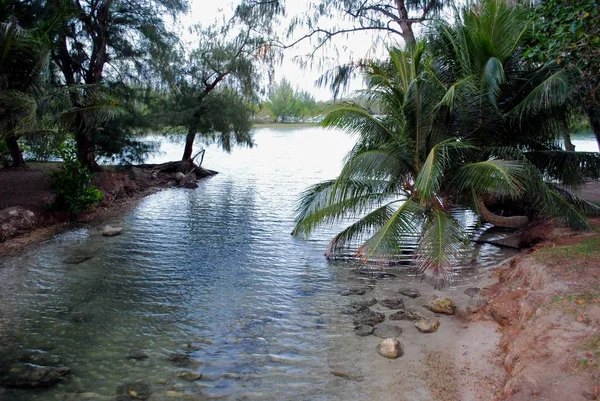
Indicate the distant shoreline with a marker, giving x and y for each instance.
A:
(284, 125)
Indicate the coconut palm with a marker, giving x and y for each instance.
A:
(23, 60)
(437, 145)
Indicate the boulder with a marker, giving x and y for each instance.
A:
(392, 303)
(368, 318)
(28, 376)
(180, 358)
(390, 348)
(139, 390)
(427, 325)
(109, 231)
(387, 331)
(406, 314)
(363, 330)
(179, 176)
(14, 220)
(442, 305)
(410, 292)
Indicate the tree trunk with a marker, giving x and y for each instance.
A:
(567, 140)
(189, 144)
(85, 151)
(501, 221)
(15, 152)
(594, 117)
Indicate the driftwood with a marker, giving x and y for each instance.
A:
(186, 167)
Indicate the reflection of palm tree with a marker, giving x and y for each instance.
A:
(455, 131)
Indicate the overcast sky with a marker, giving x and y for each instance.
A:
(357, 46)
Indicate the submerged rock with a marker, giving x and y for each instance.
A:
(364, 304)
(363, 330)
(189, 375)
(392, 303)
(427, 325)
(82, 317)
(109, 231)
(442, 305)
(387, 331)
(77, 259)
(180, 357)
(138, 355)
(406, 314)
(369, 318)
(139, 390)
(390, 348)
(353, 291)
(410, 292)
(39, 357)
(28, 375)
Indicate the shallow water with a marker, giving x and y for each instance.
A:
(211, 272)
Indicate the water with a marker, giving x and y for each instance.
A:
(211, 272)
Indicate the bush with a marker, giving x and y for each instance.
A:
(72, 185)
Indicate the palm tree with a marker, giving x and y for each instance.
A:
(23, 60)
(431, 151)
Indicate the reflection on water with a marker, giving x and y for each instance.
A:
(211, 273)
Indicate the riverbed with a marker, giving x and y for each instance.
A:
(213, 274)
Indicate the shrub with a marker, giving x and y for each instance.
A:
(72, 185)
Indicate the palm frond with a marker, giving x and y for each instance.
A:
(497, 178)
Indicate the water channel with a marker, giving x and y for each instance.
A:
(212, 273)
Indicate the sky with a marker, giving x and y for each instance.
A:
(348, 49)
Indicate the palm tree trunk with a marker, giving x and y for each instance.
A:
(501, 221)
(594, 117)
(15, 152)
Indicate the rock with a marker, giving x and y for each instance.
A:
(387, 331)
(14, 220)
(230, 375)
(477, 303)
(75, 260)
(392, 303)
(345, 375)
(406, 314)
(353, 291)
(442, 305)
(109, 231)
(368, 318)
(28, 375)
(82, 317)
(390, 348)
(189, 375)
(472, 292)
(364, 304)
(427, 325)
(180, 357)
(190, 185)
(139, 390)
(138, 355)
(363, 330)
(410, 292)
(179, 176)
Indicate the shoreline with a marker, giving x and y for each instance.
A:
(122, 187)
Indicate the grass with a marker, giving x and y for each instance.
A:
(577, 254)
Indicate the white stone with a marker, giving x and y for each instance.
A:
(390, 348)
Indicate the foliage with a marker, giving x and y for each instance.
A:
(463, 121)
(285, 103)
(568, 32)
(72, 185)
